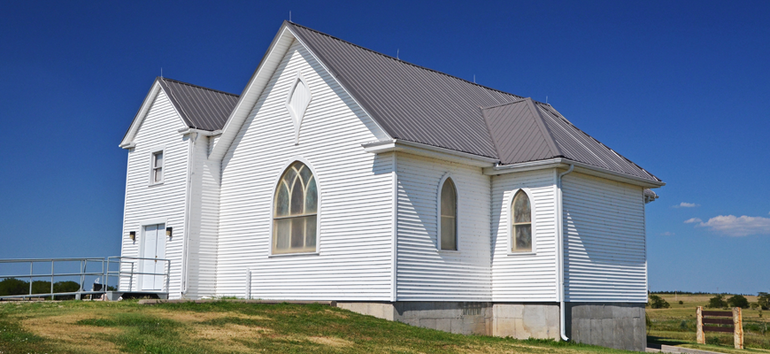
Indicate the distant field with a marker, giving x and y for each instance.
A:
(677, 325)
(232, 327)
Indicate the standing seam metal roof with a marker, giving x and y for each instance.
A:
(422, 105)
(200, 107)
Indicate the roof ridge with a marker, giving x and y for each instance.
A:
(539, 120)
(503, 104)
(403, 61)
(197, 86)
(560, 116)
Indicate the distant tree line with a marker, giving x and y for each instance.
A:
(13, 286)
(718, 301)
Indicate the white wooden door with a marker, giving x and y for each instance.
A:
(153, 246)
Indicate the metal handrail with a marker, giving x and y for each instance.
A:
(103, 275)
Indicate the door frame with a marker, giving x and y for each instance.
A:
(140, 252)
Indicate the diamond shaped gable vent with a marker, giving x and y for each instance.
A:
(297, 102)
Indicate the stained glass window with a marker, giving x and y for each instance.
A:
(448, 216)
(295, 211)
(521, 225)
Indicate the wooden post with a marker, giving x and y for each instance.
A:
(738, 328)
(701, 339)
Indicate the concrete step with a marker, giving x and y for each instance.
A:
(672, 349)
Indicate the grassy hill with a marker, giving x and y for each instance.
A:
(233, 327)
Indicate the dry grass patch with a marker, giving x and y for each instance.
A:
(64, 330)
(331, 341)
(192, 317)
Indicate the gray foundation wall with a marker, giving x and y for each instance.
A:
(614, 325)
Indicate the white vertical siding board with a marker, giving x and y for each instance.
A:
(423, 273)
(604, 240)
(354, 260)
(525, 278)
(167, 200)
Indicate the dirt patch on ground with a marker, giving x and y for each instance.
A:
(63, 330)
(229, 336)
(331, 341)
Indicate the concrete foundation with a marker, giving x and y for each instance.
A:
(614, 325)
(522, 321)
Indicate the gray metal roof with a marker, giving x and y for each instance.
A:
(200, 107)
(526, 130)
(417, 104)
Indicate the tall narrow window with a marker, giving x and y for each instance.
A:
(521, 223)
(295, 211)
(448, 216)
(157, 167)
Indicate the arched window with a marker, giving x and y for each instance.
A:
(295, 211)
(448, 224)
(521, 223)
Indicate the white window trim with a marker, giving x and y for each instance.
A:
(509, 220)
(162, 150)
(443, 179)
(277, 179)
(295, 117)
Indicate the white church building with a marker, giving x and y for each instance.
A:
(342, 174)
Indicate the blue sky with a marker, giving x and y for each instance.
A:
(681, 88)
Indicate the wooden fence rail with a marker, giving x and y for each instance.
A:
(732, 325)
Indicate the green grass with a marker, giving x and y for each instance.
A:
(676, 326)
(234, 327)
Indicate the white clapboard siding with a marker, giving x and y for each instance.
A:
(604, 240)
(145, 202)
(423, 272)
(203, 222)
(530, 277)
(355, 191)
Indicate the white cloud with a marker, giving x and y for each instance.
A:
(732, 225)
(686, 205)
(667, 234)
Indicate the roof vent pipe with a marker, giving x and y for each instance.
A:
(560, 217)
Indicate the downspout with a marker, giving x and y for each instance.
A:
(560, 216)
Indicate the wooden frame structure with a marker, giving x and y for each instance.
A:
(720, 323)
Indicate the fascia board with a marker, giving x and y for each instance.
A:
(252, 91)
(579, 167)
(379, 147)
(128, 140)
(139, 117)
(339, 82)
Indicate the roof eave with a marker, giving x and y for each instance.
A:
(395, 145)
(580, 167)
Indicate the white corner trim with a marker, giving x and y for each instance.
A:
(298, 116)
(319, 209)
(383, 146)
(444, 178)
(508, 207)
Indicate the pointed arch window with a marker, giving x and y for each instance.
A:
(295, 212)
(448, 216)
(521, 223)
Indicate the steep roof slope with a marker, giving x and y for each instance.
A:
(421, 105)
(200, 107)
(529, 131)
